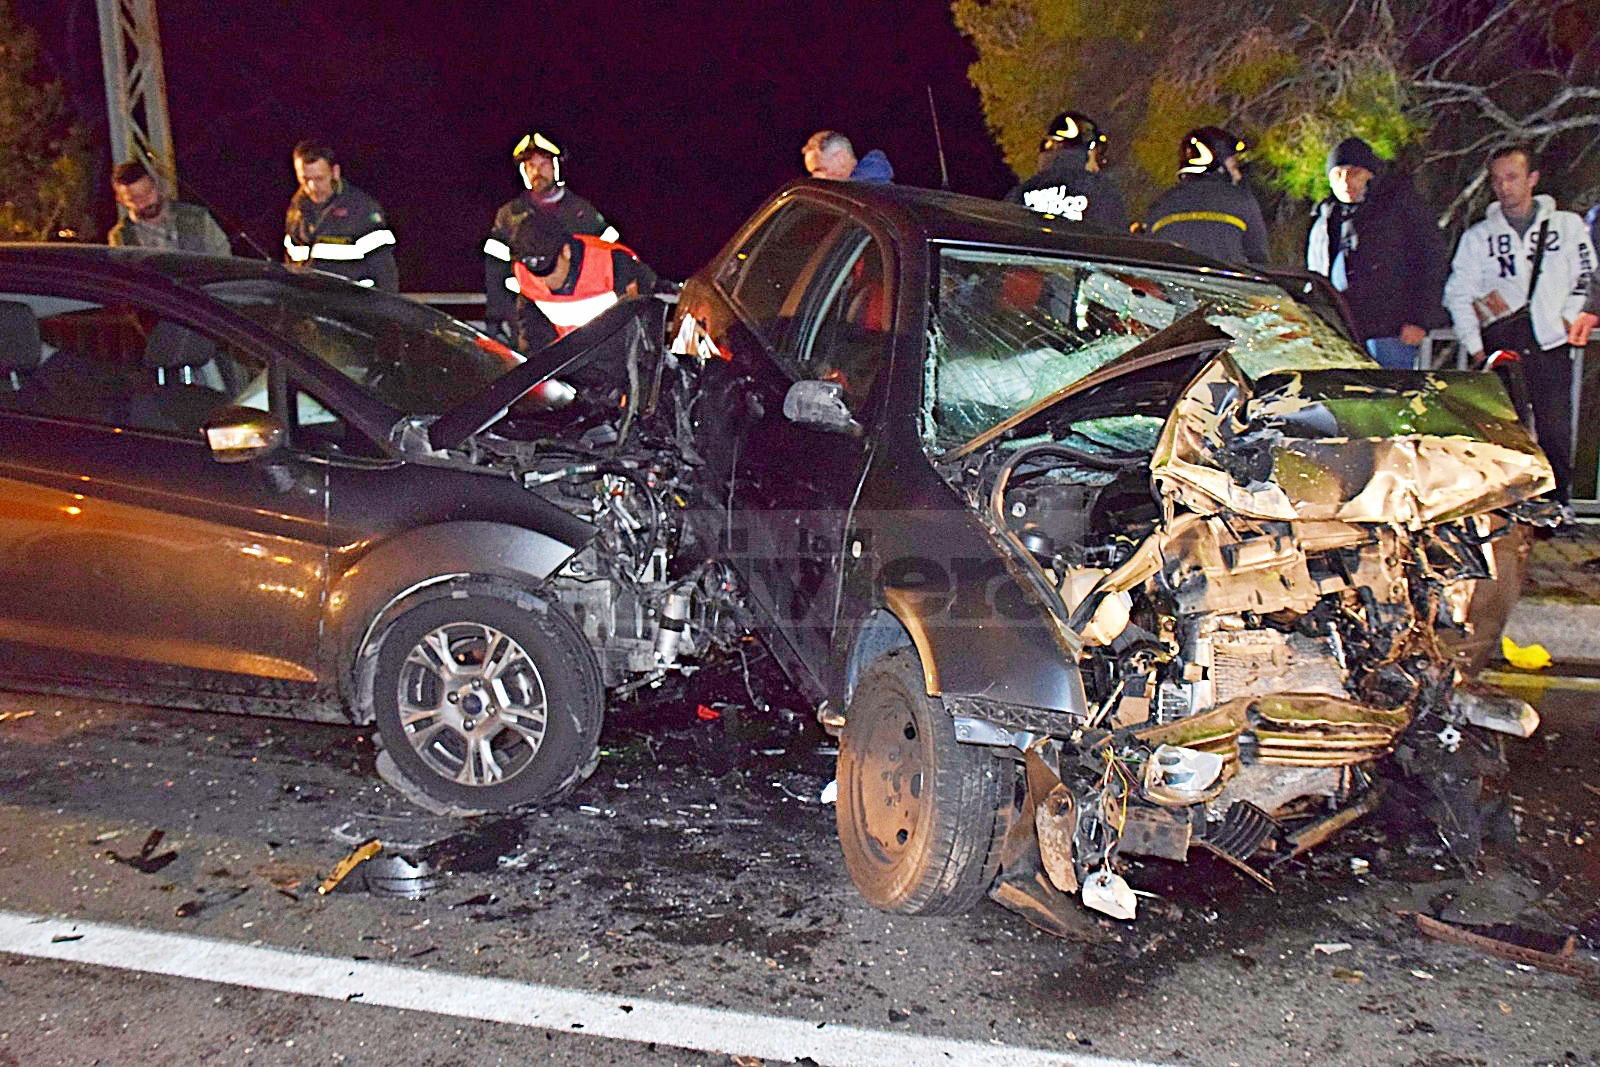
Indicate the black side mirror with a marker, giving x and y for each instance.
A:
(239, 434)
(820, 405)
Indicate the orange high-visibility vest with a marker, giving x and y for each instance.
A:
(594, 292)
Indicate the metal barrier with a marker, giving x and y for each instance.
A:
(449, 302)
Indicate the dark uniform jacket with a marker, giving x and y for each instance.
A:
(1064, 189)
(571, 212)
(190, 229)
(1395, 264)
(1211, 215)
(348, 236)
(601, 273)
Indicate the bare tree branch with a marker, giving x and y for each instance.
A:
(1483, 27)
(1463, 198)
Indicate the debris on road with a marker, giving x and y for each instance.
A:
(1329, 948)
(146, 861)
(355, 858)
(14, 716)
(1533, 657)
(1563, 961)
(394, 875)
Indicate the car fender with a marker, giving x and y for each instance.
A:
(366, 593)
(1009, 662)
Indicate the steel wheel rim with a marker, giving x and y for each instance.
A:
(891, 791)
(472, 704)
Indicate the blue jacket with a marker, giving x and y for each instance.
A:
(873, 167)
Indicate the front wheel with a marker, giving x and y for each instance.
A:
(487, 705)
(917, 813)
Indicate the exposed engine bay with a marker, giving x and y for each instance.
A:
(1267, 606)
(650, 601)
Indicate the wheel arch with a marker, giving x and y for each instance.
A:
(879, 634)
(499, 559)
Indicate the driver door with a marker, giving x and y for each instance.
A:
(132, 556)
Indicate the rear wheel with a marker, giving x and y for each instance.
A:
(483, 704)
(917, 813)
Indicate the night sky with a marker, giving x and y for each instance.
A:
(677, 120)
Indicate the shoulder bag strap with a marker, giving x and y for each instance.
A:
(1538, 261)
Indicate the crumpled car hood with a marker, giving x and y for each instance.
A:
(634, 323)
(1407, 447)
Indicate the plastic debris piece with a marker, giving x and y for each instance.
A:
(1424, 975)
(1496, 711)
(830, 792)
(1359, 865)
(1345, 974)
(355, 858)
(13, 716)
(706, 713)
(1525, 657)
(146, 861)
(1329, 948)
(1109, 894)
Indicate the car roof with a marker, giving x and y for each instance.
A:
(938, 215)
(186, 267)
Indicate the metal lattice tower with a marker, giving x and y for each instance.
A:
(136, 88)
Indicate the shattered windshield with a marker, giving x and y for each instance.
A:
(1010, 330)
(412, 358)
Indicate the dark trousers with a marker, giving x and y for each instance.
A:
(1549, 376)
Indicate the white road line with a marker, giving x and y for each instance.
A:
(573, 1011)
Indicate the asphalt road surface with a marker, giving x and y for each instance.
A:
(688, 906)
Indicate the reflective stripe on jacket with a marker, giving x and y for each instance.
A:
(349, 236)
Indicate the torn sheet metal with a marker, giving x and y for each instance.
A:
(1563, 961)
(1402, 447)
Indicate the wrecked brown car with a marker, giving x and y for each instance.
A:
(1088, 548)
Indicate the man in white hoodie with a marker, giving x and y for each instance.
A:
(1489, 280)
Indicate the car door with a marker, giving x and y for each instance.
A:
(813, 300)
(127, 553)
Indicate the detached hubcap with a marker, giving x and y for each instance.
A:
(472, 703)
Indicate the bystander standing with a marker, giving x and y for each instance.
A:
(829, 156)
(156, 221)
(1518, 283)
(1375, 242)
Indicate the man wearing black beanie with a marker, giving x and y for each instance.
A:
(1376, 243)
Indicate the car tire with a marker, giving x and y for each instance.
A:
(485, 704)
(917, 813)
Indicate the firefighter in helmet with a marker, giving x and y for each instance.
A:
(1070, 183)
(545, 196)
(1210, 209)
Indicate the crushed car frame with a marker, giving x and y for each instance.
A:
(1090, 548)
